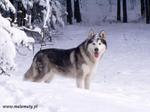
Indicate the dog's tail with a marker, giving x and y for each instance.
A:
(29, 75)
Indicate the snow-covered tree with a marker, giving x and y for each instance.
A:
(44, 13)
(10, 38)
(7, 6)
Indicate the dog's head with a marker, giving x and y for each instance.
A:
(96, 44)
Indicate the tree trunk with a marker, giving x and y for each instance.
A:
(147, 11)
(29, 14)
(132, 2)
(21, 14)
(118, 11)
(142, 8)
(110, 5)
(69, 10)
(77, 14)
(124, 5)
(10, 13)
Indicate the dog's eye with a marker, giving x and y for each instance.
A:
(93, 43)
(99, 43)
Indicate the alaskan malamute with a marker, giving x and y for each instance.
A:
(78, 62)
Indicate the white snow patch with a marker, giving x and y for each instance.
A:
(121, 82)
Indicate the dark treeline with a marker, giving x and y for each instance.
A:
(124, 11)
(145, 10)
(73, 11)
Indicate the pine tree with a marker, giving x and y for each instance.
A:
(6, 8)
(11, 39)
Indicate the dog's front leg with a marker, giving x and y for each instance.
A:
(80, 81)
(87, 81)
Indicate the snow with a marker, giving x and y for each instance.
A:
(53, 13)
(6, 5)
(27, 3)
(11, 38)
(120, 83)
(19, 37)
(6, 55)
(48, 13)
(121, 80)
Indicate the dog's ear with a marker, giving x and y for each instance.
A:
(102, 35)
(91, 34)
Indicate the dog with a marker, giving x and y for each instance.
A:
(78, 62)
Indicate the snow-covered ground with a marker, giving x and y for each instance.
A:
(120, 84)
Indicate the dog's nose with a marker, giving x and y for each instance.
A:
(96, 49)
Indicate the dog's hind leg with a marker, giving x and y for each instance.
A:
(41, 69)
(48, 77)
